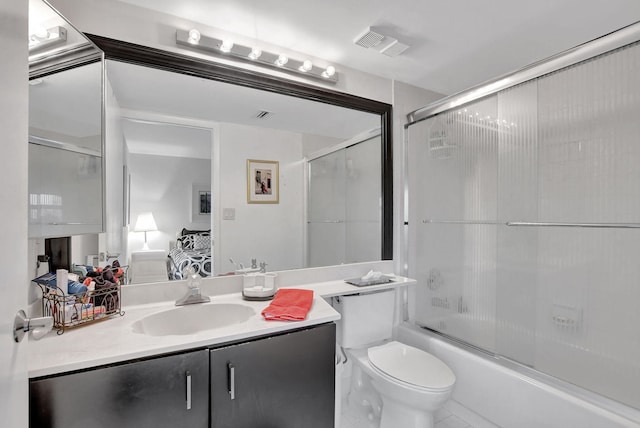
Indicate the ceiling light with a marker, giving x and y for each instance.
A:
(329, 72)
(226, 46)
(255, 53)
(306, 66)
(281, 61)
(194, 36)
(194, 40)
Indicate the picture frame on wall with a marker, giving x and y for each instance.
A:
(201, 204)
(263, 182)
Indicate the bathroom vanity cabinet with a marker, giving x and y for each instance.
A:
(284, 381)
(151, 393)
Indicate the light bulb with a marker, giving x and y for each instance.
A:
(282, 60)
(194, 36)
(306, 66)
(329, 72)
(255, 53)
(226, 46)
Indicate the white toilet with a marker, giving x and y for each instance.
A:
(412, 384)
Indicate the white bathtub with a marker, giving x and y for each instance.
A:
(509, 398)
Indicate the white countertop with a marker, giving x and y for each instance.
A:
(114, 340)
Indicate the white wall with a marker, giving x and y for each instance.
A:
(313, 143)
(163, 185)
(13, 199)
(269, 232)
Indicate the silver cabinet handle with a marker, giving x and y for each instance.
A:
(232, 381)
(188, 390)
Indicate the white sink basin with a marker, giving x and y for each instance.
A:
(191, 319)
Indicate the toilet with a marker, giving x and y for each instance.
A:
(408, 384)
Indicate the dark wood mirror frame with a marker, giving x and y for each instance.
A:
(178, 63)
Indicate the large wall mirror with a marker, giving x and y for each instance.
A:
(190, 138)
(221, 169)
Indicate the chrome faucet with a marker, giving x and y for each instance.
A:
(193, 294)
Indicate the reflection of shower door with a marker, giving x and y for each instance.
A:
(344, 220)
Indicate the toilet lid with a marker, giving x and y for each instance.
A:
(411, 365)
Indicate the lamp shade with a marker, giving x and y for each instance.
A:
(145, 223)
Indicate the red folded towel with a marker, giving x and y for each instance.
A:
(289, 304)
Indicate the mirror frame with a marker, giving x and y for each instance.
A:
(179, 63)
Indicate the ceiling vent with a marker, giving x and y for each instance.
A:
(387, 45)
(369, 39)
(395, 48)
(263, 114)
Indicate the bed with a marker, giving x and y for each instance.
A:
(192, 249)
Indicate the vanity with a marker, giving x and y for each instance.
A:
(147, 370)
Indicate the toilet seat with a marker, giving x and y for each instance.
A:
(411, 366)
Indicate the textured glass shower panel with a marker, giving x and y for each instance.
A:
(363, 201)
(517, 201)
(587, 309)
(327, 210)
(452, 204)
(588, 288)
(589, 149)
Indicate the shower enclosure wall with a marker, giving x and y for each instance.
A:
(524, 223)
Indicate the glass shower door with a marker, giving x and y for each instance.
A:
(344, 211)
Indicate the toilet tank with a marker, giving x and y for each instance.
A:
(365, 318)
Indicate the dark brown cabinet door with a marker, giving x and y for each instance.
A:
(284, 381)
(171, 391)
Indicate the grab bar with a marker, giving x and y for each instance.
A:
(538, 224)
(554, 224)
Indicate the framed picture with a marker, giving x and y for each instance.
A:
(263, 182)
(201, 203)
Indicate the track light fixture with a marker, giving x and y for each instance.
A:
(196, 41)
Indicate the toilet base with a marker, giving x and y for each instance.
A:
(396, 415)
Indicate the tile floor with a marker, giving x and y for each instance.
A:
(444, 418)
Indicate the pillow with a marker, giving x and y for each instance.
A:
(201, 242)
(194, 232)
(194, 242)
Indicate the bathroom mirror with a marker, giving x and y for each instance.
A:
(231, 117)
(65, 127)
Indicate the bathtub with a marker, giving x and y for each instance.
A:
(501, 393)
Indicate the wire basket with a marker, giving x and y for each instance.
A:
(74, 310)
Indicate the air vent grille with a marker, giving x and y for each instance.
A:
(263, 114)
(382, 43)
(394, 49)
(369, 39)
